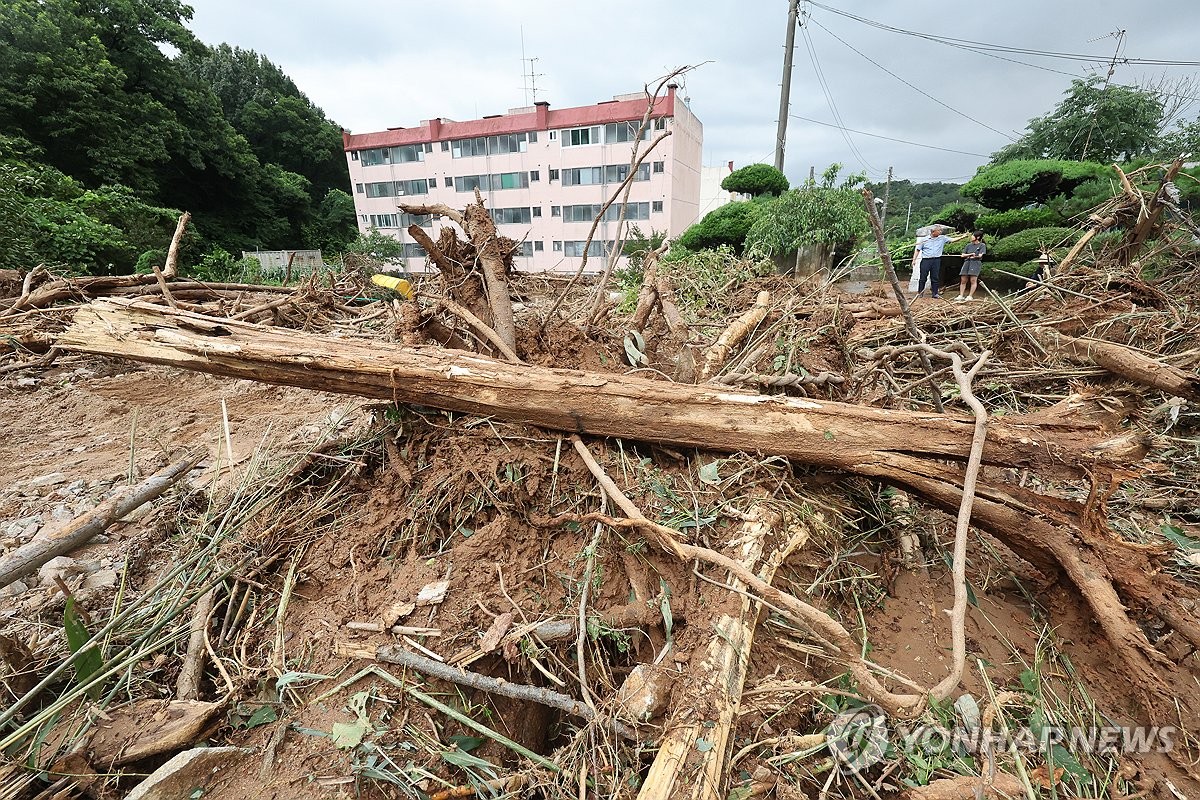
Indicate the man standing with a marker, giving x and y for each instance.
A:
(930, 251)
(971, 267)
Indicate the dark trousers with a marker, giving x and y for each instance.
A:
(931, 271)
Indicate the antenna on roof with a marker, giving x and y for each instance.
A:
(528, 79)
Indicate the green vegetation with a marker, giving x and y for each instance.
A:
(1003, 223)
(825, 213)
(755, 180)
(1013, 184)
(958, 216)
(106, 136)
(725, 226)
(1028, 244)
(1097, 120)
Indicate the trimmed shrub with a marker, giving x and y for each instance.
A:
(1017, 183)
(1026, 245)
(957, 216)
(988, 270)
(1006, 223)
(756, 179)
(726, 225)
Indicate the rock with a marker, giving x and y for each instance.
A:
(58, 567)
(61, 513)
(29, 531)
(77, 487)
(645, 693)
(101, 579)
(27, 383)
(13, 589)
(82, 507)
(185, 775)
(51, 479)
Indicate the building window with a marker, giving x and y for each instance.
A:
(364, 217)
(533, 137)
(398, 188)
(535, 175)
(576, 137)
(490, 145)
(354, 155)
(576, 249)
(428, 147)
(414, 250)
(587, 213)
(537, 211)
(512, 216)
(553, 174)
(538, 246)
(557, 247)
(358, 188)
(492, 183)
(445, 147)
(449, 182)
(556, 211)
(660, 124)
(656, 206)
(613, 173)
(615, 132)
(553, 135)
(659, 166)
(393, 155)
(524, 249)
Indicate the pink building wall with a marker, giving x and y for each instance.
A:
(671, 194)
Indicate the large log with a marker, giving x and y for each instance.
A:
(1124, 363)
(859, 439)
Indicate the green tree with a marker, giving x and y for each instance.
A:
(826, 213)
(755, 180)
(280, 123)
(1095, 121)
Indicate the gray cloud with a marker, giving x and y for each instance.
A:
(371, 64)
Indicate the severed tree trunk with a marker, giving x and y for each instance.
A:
(841, 435)
(1124, 363)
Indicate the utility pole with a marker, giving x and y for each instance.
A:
(1112, 68)
(785, 90)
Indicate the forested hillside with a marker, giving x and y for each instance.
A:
(114, 117)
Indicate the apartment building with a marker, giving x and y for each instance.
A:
(543, 173)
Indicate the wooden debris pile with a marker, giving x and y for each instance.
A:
(624, 601)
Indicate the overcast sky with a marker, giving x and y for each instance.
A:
(372, 64)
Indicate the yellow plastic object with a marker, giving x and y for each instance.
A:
(397, 285)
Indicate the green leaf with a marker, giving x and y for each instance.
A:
(468, 761)
(467, 743)
(704, 745)
(1176, 535)
(346, 735)
(710, 473)
(87, 661)
(263, 715)
(288, 678)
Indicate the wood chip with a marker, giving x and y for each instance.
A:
(500, 626)
(433, 594)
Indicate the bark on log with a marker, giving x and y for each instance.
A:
(83, 528)
(1123, 362)
(859, 439)
(714, 699)
(718, 354)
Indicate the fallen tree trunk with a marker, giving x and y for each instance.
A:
(712, 697)
(838, 435)
(82, 529)
(1124, 363)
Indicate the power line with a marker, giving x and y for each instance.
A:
(812, 55)
(913, 87)
(889, 138)
(1098, 59)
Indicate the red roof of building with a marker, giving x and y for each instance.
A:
(441, 130)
